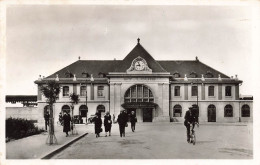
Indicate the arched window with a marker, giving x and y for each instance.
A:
(83, 109)
(139, 93)
(211, 91)
(101, 108)
(228, 111)
(245, 111)
(65, 108)
(177, 111)
(65, 91)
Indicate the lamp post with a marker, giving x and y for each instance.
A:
(91, 80)
(197, 94)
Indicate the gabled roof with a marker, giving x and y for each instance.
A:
(136, 52)
(186, 67)
(96, 67)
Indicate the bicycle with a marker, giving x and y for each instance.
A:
(192, 134)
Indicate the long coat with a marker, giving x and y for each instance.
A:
(188, 118)
(107, 124)
(66, 122)
(133, 118)
(122, 119)
(98, 124)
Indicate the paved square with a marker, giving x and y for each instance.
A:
(165, 141)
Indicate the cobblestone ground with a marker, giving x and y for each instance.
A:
(165, 141)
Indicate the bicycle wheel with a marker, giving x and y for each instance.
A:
(194, 139)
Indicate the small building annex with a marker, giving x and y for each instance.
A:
(156, 90)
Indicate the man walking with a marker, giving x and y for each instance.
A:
(122, 123)
(189, 119)
(46, 118)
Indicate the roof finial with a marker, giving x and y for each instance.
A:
(79, 57)
(138, 40)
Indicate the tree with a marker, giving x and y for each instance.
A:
(51, 91)
(74, 98)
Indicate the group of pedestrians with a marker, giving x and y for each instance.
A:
(121, 120)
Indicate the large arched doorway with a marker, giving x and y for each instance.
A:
(65, 108)
(101, 109)
(83, 112)
(211, 113)
(139, 98)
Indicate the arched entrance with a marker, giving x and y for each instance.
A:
(211, 113)
(139, 98)
(101, 109)
(83, 112)
(65, 108)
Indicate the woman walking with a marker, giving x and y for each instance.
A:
(107, 123)
(133, 120)
(66, 123)
(98, 125)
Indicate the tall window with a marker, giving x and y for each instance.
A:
(228, 90)
(139, 93)
(83, 90)
(245, 111)
(228, 111)
(65, 91)
(177, 111)
(194, 91)
(100, 91)
(177, 91)
(211, 90)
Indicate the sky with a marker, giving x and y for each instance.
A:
(41, 40)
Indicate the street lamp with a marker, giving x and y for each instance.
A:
(91, 80)
(197, 94)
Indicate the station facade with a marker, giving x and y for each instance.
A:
(158, 91)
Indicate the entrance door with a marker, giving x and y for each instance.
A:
(211, 113)
(147, 115)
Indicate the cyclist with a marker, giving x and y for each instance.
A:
(190, 118)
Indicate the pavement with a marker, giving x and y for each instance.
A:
(35, 147)
(149, 141)
(166, 141)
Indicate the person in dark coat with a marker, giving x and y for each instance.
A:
(107, 123)
(189, 119)
(46, 118)
(98, 124)
(122, 120)
(133, 120)
(66, 123)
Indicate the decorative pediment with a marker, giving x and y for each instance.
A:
(209, 74)
(176, 74)
(139, 65)
(193, 75)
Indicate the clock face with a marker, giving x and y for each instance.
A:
(139, 65)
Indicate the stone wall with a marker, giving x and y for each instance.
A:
(29, 113)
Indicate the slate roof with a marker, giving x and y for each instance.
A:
(139, 51)
(186, 67)
(105, 66)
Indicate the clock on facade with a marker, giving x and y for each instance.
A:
(139, 65)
